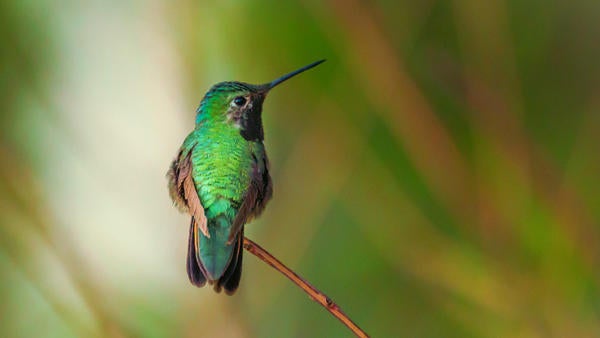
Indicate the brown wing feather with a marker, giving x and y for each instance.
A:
(256, 197)
(183, 190)
(174, 187)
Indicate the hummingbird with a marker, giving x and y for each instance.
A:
(220, 177)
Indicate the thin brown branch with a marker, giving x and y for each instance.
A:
(315, 294)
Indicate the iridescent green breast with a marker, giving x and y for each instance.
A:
(222, 164)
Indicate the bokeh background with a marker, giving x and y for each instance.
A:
(438, 176)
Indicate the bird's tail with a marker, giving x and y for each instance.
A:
(231, 278)
(212, 259)
(194, 268)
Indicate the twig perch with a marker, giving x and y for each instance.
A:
(315, 294)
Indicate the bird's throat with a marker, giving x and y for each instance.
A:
(251, 122)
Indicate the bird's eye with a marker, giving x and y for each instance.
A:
(239, 101)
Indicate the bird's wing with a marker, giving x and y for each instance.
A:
(258, 193)
(183, 189)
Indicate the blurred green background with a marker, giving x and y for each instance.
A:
(438, 176)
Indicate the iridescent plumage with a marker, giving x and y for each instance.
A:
(221, 178)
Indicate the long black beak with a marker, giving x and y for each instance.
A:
(269, 86)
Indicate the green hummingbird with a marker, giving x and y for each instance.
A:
(221, 178)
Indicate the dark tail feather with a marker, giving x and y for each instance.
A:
(231, 278)
(193, 269)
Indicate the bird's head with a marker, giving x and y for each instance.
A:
(240, 104)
